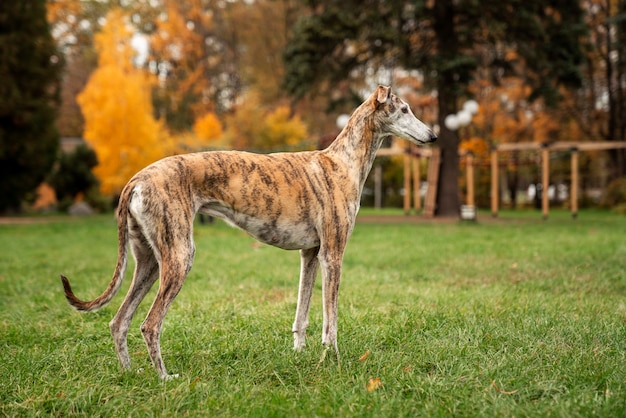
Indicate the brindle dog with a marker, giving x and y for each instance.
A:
(304, 201)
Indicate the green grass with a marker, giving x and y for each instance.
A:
(512, 317)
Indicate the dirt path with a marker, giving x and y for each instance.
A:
(28, 220)
(365, 219)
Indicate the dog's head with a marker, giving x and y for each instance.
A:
(395, 118)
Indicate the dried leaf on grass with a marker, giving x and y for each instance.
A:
(503, 392)
(374, 384)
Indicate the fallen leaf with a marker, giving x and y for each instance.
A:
(374, 384)
(364, 356)
(493, 383)
(193, 384)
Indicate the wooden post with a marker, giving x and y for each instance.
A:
(574, 185)
(378, 186)
(430, 202)
(545, 180)
(470, 178)
(407, 182)
(494, 182)
(417, 198)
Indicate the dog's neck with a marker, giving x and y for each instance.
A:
(358, 142)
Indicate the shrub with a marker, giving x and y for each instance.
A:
(615, 194)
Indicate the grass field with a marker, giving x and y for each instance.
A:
(513, 317)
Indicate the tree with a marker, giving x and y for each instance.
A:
(208, 127)
(260, 127)
(350, 41)
(603, 107)
(194, 51)
(207, 133)
(262, 44)
(74, 24)
(117, 106)
(30, 69)
(72, 174)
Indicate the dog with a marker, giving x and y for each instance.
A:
(305, 201)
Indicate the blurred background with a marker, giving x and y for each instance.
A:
(92, 91)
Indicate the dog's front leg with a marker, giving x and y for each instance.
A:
(330, 262)
(308, 271)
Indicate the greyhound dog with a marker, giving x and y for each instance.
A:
(305, 201)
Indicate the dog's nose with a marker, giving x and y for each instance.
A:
(433, 137)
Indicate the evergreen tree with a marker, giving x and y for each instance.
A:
(30, 69)
(72, 175)
(447, 41)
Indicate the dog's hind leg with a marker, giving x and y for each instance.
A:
(308, 271)
(146, 273)
(174, 268)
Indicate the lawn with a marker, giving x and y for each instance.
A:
(512, 317)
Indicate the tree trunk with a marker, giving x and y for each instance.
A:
(448, 186)
(448, 203)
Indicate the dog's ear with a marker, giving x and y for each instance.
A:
(382, 95)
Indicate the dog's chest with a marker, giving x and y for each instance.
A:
(281, 233)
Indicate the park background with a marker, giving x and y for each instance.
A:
(514, 315)
(135, 81)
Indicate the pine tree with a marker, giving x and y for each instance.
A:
(73, 174)
(346, 40)
(30, 69)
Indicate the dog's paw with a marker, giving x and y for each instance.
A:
(299, 342)
(169, 377)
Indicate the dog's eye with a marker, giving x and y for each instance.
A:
(405, 109)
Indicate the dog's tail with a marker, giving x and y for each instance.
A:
(120, 268)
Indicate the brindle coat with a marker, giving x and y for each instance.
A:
(304, 201)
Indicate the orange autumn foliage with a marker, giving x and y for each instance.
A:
(207, 128)
(254, 126)
(116, 104)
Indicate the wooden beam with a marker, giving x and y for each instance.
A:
(574, 185)
(378, 186)
(407, 183)
(588, 146)
(430, 202)
(519, 146)
(413, 150)
(494, 182)
(545, 181)
(417, 182)
(562, 145)
(469, 160)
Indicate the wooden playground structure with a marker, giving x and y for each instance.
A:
(412, 160)
(412, 157)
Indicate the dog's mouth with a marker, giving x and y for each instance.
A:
(431, 138)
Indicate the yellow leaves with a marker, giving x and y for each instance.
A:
(180, 41)
(207, 127)
(207, 133)
(478, 146)
(257, 128)
(113, 42)
(545, 127)
(283, 129)
(374, 384)
(117, 107)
